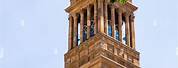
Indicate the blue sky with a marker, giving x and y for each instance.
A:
(33, 33)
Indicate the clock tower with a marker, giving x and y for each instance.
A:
(101, 34)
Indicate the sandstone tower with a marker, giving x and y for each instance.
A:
(101, 35)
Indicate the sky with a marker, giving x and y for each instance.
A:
(33, 33)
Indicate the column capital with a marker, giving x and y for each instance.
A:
(70, 17)
(81, 12)
(132, 17)
(127, 14)
(112, 6)
(74, 15)
(120, 12)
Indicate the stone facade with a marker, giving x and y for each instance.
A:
(97, 38)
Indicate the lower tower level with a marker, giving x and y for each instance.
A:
(102, 51)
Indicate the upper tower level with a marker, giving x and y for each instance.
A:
(88, 17)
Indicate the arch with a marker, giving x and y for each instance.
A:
(124, 38)
(92, 21)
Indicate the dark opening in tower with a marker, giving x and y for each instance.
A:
(85, 26)
(92, 21)
(116, 24)
(78, 29)
(109, 20)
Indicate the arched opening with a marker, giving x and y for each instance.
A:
(85, 26)
(92, 21)
(116, 25)
(124, 38)
(78, 29)
(109, 20)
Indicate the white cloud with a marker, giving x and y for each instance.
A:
(1, 53)
(55, 51)
(22, 23)
(155, 23)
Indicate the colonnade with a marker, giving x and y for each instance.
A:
(101, 17)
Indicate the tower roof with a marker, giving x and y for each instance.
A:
(128, 6)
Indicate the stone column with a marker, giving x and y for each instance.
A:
(120, 26)
(106, 17)
(70, 33)
(113, 21)
(132, 31)
(100, 16)
(95, 18)
(81, 25)
(75, 36)
(88, 22)
(127, 30)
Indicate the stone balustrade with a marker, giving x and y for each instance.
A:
(103, 46)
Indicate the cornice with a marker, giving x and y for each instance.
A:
(78, 5)
(128, 7)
